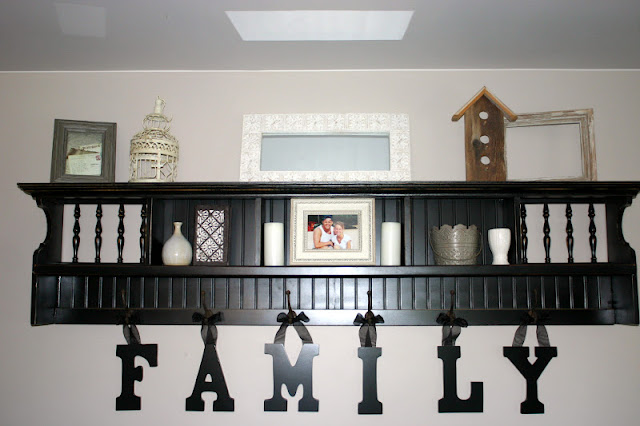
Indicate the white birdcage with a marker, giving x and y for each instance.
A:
(154, 151)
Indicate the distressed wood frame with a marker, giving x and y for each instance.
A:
(395, 125)
(583, 118)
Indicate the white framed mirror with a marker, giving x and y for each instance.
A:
(325, 147)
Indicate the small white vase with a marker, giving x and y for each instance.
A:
(177, 249)
(499, 243)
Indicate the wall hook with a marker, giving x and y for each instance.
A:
(532, 317)
(128, 320)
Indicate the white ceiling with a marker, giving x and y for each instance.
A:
(443, 34)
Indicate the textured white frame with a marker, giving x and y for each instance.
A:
(254, 126)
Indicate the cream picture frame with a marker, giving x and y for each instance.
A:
(358, 215)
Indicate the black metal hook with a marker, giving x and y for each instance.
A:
(291, 315)
(534, 315)
(450, 316)
(128, 313)
(129, 329)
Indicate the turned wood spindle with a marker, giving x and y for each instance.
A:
(98, 239)
(593, 241)
(120, 239)
(546, 229)
(523, 232)
(76, 233)
(569, 215)
(143, 233)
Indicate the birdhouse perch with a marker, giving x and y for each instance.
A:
(484, 118)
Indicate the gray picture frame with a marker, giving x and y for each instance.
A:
(68, 138)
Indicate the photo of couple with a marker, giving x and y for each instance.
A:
(327, 231)
(332, 231)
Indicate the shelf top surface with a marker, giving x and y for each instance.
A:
(548, 189)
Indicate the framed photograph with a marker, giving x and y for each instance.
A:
(83, 151)
(354, 147)
(332, 231)
(211, 235)
(558, 145)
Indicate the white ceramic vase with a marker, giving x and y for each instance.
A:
(499, 243)
(177, 249)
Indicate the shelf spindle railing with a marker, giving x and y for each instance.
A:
(76, 233)
(546, 229)
(98, 238)
(569, 215)
(143, 233)
(120, 239)
(593, 241)
(523, 232)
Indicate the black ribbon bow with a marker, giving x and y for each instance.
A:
(205, 319)
(368, 334)
(532, 317)
(451, 328)
(451, 325)
(291, 318)
(208, 331)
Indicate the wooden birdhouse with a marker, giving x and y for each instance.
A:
(484, 118)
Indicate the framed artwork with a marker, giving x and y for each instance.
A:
(357, 147)
(211, 236)
(83, 151)
(332, 231)
(559, 145)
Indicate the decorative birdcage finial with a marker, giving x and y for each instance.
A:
(154, 151)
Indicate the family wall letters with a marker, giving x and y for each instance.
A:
(301, 374)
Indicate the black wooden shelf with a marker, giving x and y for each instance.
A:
(529, 269)
(603, 291)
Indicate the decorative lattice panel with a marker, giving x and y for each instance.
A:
(211, 235)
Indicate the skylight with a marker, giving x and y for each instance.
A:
(320, 25)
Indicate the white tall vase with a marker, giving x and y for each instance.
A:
(177, 249)
(499, 243)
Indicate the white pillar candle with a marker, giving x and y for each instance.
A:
(274, 244)
(390, 244)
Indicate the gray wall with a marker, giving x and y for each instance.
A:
(70, 374)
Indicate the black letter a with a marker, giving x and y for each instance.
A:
(210, 365)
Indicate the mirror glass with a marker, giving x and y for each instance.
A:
(543, 152)
(293, 152)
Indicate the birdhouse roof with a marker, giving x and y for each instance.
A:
(511, 116)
